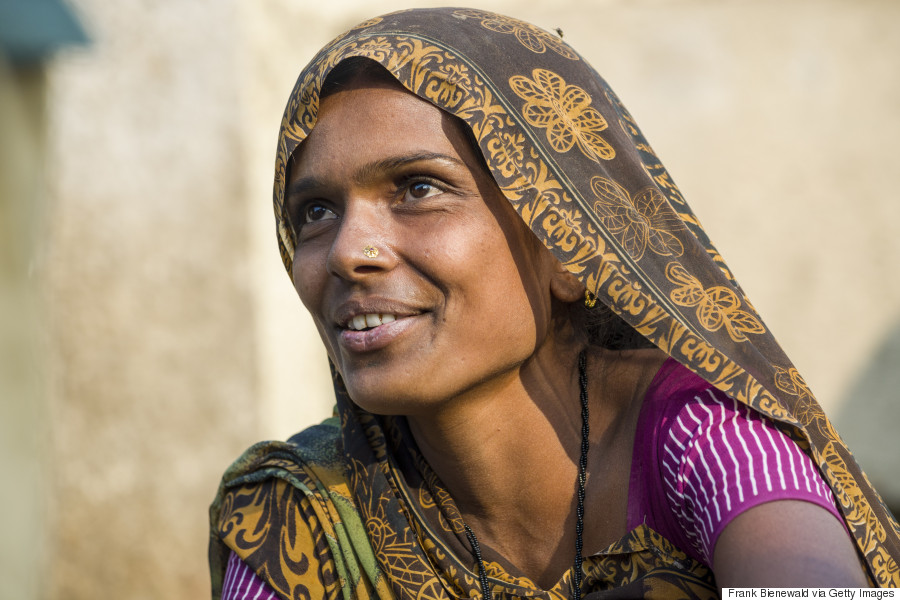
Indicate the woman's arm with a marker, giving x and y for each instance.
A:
(786, 543)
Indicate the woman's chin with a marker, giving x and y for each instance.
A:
(385, 404)
(382, 396)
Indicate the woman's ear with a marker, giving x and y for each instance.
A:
(565, 286)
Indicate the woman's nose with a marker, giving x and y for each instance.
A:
(362, 245)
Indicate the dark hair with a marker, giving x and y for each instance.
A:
(348, 71)
(604, 328)
(608, 330)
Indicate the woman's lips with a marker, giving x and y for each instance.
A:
(378, 337)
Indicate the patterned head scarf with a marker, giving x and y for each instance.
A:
(572, 162)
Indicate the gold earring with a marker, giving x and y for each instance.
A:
(370, 251)
(590, 300)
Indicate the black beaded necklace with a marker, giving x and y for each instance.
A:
(579, 510)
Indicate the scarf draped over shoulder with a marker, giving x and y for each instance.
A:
(354, 496)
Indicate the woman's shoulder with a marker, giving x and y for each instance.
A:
(674, 385)
(676, 391)
(275, 486)
(311, 462)
(320, 444)
(316, 446)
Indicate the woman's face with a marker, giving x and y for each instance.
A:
(458, 296)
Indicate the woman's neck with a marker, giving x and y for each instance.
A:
(508, 455)
(488, 445)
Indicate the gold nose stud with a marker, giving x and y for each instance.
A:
(370, 251)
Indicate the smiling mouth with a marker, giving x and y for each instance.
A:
(369, 321)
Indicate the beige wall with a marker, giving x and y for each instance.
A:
(151, 293)
(23, 410)
(175, 337)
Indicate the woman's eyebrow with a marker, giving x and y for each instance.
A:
(372, 170)
(375, 168)
(302, 185)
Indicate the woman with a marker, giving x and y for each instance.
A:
(548, 382)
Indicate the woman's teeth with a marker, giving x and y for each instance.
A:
(360, 322)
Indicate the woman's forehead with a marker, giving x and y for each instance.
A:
(370, 120)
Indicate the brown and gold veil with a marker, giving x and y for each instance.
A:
(572, 162)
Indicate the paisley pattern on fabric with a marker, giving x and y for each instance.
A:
(565, 111)
(638, 224)
(352, 510)
(717, 306)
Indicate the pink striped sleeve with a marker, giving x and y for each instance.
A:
(720, 459)
(241, 583)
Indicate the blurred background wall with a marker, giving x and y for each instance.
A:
(150, 333)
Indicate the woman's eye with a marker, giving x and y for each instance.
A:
(422, 189)
(317, 212)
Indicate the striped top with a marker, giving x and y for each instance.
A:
(700, 459)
